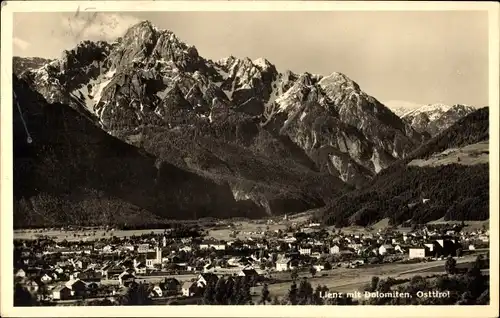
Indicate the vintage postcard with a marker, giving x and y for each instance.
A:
(249, 158)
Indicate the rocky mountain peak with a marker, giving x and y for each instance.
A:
(339, 81)
(262, 63)
(145, 43)
(143, 31)
(84, 54)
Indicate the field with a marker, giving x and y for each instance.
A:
(352, 279)
(470, 226)
(469, 155)
(84, 235)
(245, 229)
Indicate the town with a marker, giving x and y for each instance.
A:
(175, 265)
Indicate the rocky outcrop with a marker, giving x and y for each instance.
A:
(23, 64)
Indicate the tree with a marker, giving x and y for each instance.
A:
(484, 298)
(44, 291)
(209, 294)
(479, 263)
(312, 270)
(293, 294)
(22, 297)
(305, 292)
(317, 300)
(451, 265)
(265, 295)
(261, 254)
(466, 299)
(373, 284)
(475, 281)
(228, 289)
(233, 290)
(245, 296)
(220, 291)
(136, 295)
(275, 301)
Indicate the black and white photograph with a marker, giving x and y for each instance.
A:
(249, 154)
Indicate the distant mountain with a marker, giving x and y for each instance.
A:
(470, 129)
(455, 189)
(435, 118)
(22, 64)
(149, 83)
(400, 107)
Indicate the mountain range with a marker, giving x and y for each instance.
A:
(431, 118)
(264, 142)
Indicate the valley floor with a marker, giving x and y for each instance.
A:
(245, 230)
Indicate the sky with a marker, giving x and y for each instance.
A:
(418, 57)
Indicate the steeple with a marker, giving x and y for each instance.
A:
(158, 254)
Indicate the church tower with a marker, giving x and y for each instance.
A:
(158, 254)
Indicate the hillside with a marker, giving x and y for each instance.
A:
(470, 129)
(455, 192)
(75, 173)
(452, 189)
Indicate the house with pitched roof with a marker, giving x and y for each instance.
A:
(283, 264)
(171, 286)
(189, 289)
(126, 277)
(385, 249)
(61, 292)
(418, 252)
(77, 287)
(248, 272)
(205, 278)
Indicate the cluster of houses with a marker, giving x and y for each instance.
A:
(180, 267)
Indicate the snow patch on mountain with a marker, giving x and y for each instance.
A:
(432, 109)
(261, 63)
(400, 107)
